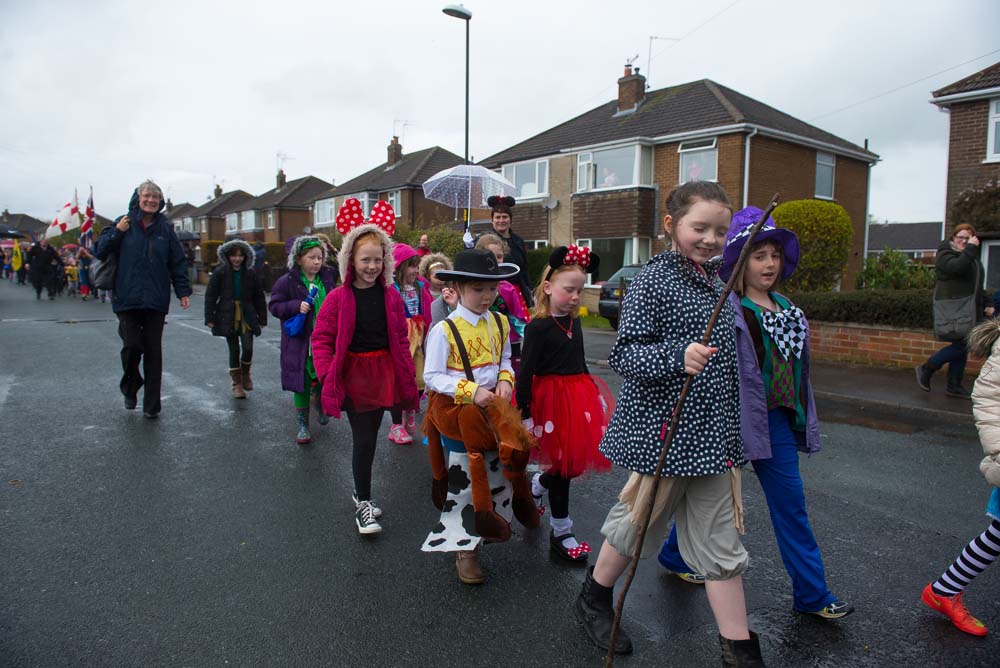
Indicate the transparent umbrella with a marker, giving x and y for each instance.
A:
(467, 187)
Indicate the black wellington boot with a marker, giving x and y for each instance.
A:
(595, 610)
(741, 653)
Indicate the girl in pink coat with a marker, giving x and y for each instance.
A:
(417, 299)
(360, 346)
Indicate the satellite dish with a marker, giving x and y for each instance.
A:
(550, 203)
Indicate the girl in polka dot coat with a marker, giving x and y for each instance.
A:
(664, 316)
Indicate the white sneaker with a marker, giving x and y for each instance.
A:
(376, 511)
(364, 517)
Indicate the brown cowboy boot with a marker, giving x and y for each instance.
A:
(237, 378)
(468, 568)
(245, 369)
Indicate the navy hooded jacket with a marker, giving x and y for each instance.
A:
(150, 259)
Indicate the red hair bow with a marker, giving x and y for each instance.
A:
(577, 255)
(352, 215)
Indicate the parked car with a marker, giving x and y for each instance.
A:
(609, 302)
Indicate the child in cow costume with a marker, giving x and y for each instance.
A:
(470, 381)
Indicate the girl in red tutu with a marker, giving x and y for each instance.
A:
(565, 407)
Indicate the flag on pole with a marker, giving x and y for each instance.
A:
(87, 229)
(16, 260)
(68, 218)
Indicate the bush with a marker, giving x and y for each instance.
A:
(442, 238)
(898, 308)
(894, 271)
(538, 260)
(210, 254)
(274, 252)
(824, 231)
(979, 206)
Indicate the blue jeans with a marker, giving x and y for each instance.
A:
(779, 476)
(954, 355)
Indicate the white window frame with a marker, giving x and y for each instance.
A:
(707, 145)
(635, 252)
(827, 160)
(232, 222)
(319, 206)
(368, 200)
(394, 198)
(511, 169)
(204, 225)
(991, 131)
(270, 219)
(252, 215)
(535, 244)
(187, 224)
(586, 178)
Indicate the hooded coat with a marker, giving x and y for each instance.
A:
(960, 274)
(335, 328)
(220, 303)
(400, 254)
(985, 340)
(287, 294)
(150, 260)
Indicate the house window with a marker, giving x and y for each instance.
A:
(249, 220)
(270, 219)
(394, 199)
(324, 213)
(530, 178)
(204, 226)
(826, 164)
(367, 200)
(232, 222)
(188, 224)
(614, 168)
(535, 244)
(615, 254)
(699, 160)
(993, 132)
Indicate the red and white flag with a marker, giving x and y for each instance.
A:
(68, 218)
(87, 229)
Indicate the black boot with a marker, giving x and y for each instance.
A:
(956, 390)
(924, 373)
(595, 610)
(741, 653)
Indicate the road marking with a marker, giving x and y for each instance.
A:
(195, 397)
(197, 329)
(5, 384)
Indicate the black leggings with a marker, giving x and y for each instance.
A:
(364, 433)
(234, 341)
(558, 489)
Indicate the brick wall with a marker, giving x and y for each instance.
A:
(666, 168)
(967, 150)
(875, 345)
(618, 213)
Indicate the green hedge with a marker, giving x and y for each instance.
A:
(442, 238)
(898, 308)
(824, 231)
(538, 260)
(274, 252)
(210, 254)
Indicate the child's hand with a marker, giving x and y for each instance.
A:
(483, 397)
(504, 390)
(696, 357)
(450, 296)
(305, 307)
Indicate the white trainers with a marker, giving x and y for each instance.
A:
(364, 517)
(376, 511)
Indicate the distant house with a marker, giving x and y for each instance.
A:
(601, 178)
(917, 240)
(399, 181)
(278, 214)
(209, 219)
(177, 216)
(22, 222)
(973, 105)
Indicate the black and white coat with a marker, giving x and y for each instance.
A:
(666, 308)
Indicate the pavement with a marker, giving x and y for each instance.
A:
(207, 538)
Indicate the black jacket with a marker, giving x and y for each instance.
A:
(220, 307)
(41, 261)
(518, 254)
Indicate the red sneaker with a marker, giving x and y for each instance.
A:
(953, 608)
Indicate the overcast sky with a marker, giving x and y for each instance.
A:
(190, 93)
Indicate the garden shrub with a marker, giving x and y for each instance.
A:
(274, 253)
(538, 260)
(897, 308)
(979, 207)
(824, 231)
(442, 238)
(210, 254)
(894, 271)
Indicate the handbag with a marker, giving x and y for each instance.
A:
(294, 325)
(102, 273)
(953, 318)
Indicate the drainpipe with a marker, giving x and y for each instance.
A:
(746, 167)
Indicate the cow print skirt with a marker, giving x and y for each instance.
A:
(457, 528)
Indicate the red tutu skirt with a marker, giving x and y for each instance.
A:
(571, 415)
(370, 381)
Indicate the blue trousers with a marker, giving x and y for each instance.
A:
(955, 356)
(779, 476)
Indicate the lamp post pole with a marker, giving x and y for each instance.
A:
(460, 12)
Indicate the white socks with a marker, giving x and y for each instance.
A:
(561, 527)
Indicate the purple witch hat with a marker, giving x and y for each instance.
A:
(739, 232)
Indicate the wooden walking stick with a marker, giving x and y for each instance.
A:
(674, 420)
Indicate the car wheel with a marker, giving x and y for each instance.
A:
(614, 323)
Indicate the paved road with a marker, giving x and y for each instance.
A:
(208, 538)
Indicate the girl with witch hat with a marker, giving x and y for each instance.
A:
(777, 411)
(563, 406)
(289, 298)
(361, 347)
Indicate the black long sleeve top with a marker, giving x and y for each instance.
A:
(547, 350)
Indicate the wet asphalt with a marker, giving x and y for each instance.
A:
(208, 538)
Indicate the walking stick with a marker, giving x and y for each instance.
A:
(674, 419)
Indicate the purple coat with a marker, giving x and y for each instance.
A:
(287, 293)
(753, 397)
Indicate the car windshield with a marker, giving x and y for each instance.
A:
(627, 273)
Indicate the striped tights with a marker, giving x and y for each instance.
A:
(981, 551)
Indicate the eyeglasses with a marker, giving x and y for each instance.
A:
(961, 238)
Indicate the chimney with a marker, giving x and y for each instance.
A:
(395, 152)
(281, 178)
(631, 90)
(170, 205)
(218, 191)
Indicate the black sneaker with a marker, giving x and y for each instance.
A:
(924, 377)
(150, 415)
(376, 511)
(958, 392)
(364, 517)
(131, 403)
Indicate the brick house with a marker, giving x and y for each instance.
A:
(209, 219)
(601, 178)
(919, 241)
(399, 181)
(973, 107)
(177, 216)
(278, 214)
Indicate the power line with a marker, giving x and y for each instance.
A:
(898, 88)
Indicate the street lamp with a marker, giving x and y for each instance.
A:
(460, 12)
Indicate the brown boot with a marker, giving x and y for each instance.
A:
(467, 566)
(236, 376)
(245, 369)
